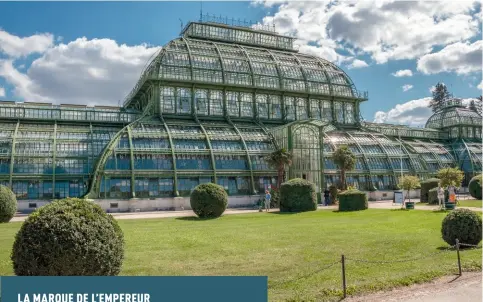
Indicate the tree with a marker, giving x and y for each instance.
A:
(450, 177)
(476, 105)
(440, 95)
(409, 183)
(278, 159)
(345, 161)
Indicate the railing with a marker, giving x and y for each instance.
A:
(363, 95)
(348, 259)
(237, 22)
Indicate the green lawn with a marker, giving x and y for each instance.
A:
(288, 246)
(470, 203)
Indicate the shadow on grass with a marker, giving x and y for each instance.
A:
(284, 213)
(195, 218)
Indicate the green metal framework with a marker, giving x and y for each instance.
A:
(209, 107)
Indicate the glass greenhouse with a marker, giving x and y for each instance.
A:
(209, 107)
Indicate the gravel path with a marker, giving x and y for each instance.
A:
(466, 288)
(189, 213)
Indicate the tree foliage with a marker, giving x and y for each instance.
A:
(450, 177)
(278, 159)
(476, 105)
(345, 161)
(440, 95)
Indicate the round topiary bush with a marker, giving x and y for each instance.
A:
(426, 186)
(209, 200)
(475, 186)
(68, 237)
(298, 195)
(352, 200)
(462, 224)
(8, 204)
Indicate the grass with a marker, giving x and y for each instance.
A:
(287, 247)
(470, 203)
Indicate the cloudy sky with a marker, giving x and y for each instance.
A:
(93, 52)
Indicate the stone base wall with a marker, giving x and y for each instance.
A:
(389, 195)
(144, 204)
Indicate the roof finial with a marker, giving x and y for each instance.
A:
(201, 11)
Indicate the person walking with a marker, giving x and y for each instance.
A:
(268, 197)
(440, 192)
(326, 197)
(452, 193)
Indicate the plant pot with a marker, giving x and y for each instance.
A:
(449, 206)
(410, 205)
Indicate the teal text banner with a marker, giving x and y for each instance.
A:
(133, 289)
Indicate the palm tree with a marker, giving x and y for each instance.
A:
(278, 159)
(345, 161)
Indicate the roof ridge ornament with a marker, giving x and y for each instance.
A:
(207, 18)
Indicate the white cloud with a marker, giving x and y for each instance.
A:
(386, 30)
(91, 72)
(403, 73)
(462, 58)
(480, 86)
(412, 113)
(358, 64)
(2, 92)
(407, 87)
(15, 47)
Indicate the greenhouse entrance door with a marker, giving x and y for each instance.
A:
(306, 154)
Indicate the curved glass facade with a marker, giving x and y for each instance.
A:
(209, 107)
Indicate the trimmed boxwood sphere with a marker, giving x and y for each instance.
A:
(298, 195)
(352, 200)
(8, 204)
(462, 224)
(68, 237)
(475, 187)
(209, 200)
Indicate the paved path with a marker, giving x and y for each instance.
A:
(466, 288)
(189, 213)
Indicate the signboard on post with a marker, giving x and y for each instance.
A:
(399, 197)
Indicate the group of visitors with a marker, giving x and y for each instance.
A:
(451, 192)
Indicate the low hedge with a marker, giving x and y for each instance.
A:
(475, 187)
(209, 200)
(426, 186)
(8, 204)
(352, 200)
(298, 195)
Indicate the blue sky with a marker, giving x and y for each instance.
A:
(92, 52)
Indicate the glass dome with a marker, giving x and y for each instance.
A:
(454, 114)
(216, 63)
